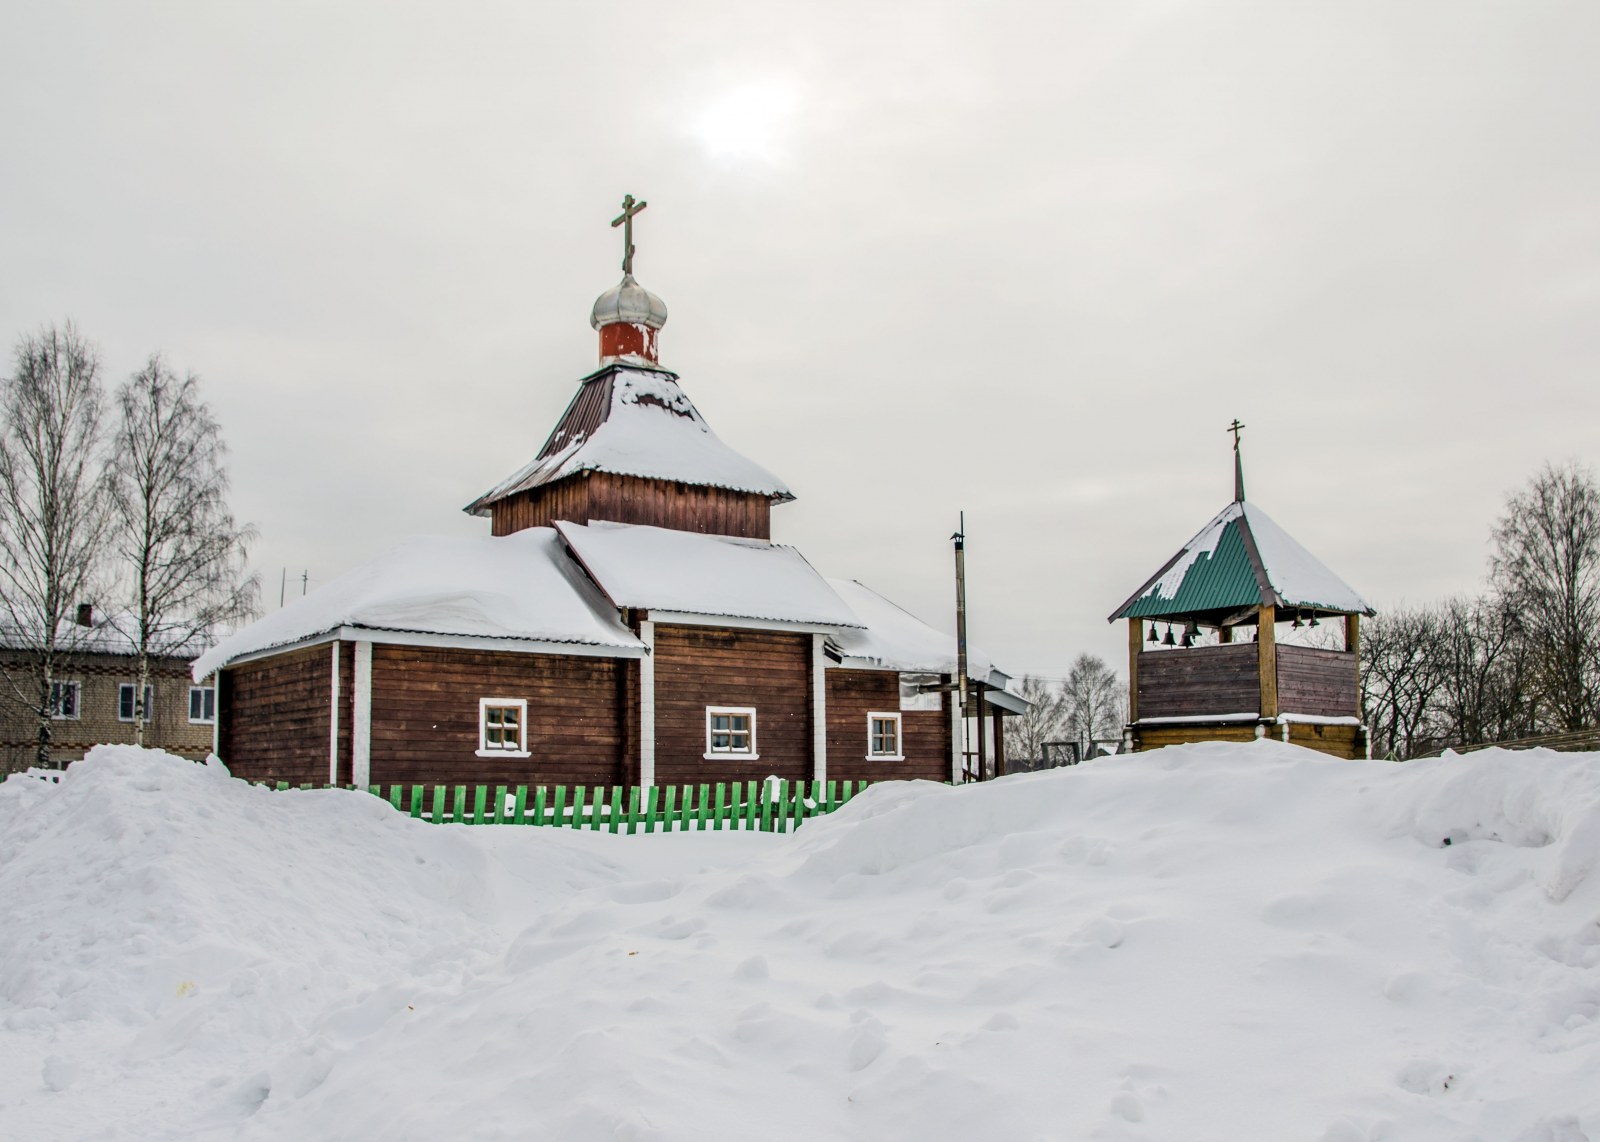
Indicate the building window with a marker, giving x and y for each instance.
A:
(502, 727)
(65, 700)
(731, 732)
(202, 705)
(125, 693)
(883, 738)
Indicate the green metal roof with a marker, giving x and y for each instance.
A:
(1241, 559)
(1221, 579)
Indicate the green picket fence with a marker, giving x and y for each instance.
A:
(777, 806)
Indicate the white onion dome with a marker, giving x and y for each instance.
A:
(629, 303)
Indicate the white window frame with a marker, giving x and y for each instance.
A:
(751, 754)
(899, 753)
(521, 705)
(203, 720)
(77, 700)
(149, 701)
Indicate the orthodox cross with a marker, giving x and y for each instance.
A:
(625, 220)
(1238, 462)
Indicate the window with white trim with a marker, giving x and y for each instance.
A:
(65, 700)
(883, 737)
(731, 732)
(502, 727)
(125, 694)
(202, 705)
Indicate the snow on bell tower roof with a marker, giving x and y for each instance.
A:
(1241, 559)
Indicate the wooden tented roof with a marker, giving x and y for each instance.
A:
(1239, 561)
(634, 420)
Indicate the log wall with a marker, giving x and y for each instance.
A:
(425, 717)
(274, 717)
(698, 667)
(852, 695)
(632, 499)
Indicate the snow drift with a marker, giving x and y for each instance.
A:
(1207, 942)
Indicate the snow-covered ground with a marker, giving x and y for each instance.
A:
(1210, 942)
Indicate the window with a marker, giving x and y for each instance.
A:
(125, 694)
(64, 699)
(202, 704)
(883, 737)
(731, 732)
(503, 727)
(919, 692)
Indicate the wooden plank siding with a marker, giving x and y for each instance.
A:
(1320, 682)
(1199, 680)
(1339, 741)
(274, 717)
(632, 499)
(425, 717)
(852, 695)
(698, 667)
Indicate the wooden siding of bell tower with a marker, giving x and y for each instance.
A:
(590, 496)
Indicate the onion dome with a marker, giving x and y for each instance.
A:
(629, 303)
(628, 317)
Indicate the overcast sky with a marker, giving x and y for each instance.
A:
(1025, 261)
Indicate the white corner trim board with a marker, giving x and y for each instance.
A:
(647, 704)
(361, 721)
(819, 708)
(333, 720)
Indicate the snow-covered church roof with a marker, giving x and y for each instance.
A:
(1241, 559)
(634, 420)
(559, 590)
(659, 569)
(520, 588)
(892, 638)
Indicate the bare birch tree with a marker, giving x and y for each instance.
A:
(1546, 566)
(1095, 701)
(179, 547)
(1044, 721)
(52, 515)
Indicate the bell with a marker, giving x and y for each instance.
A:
(1154, 637)
(1297, 620)
(1167, 639)
(1314, 621)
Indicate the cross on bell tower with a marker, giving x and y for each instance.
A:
(625, 220)
(1238, 463)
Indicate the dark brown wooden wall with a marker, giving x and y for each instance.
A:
(1320, 682)
(1199, 680)
(852, 695)
(425, 717)
(274, 717)
(698, 667)
(631, 499)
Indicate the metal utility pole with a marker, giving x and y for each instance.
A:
(960, 540)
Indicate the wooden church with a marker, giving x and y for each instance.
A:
(627, 621)
(1221, 670)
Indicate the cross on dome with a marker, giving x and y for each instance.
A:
(625, 220)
